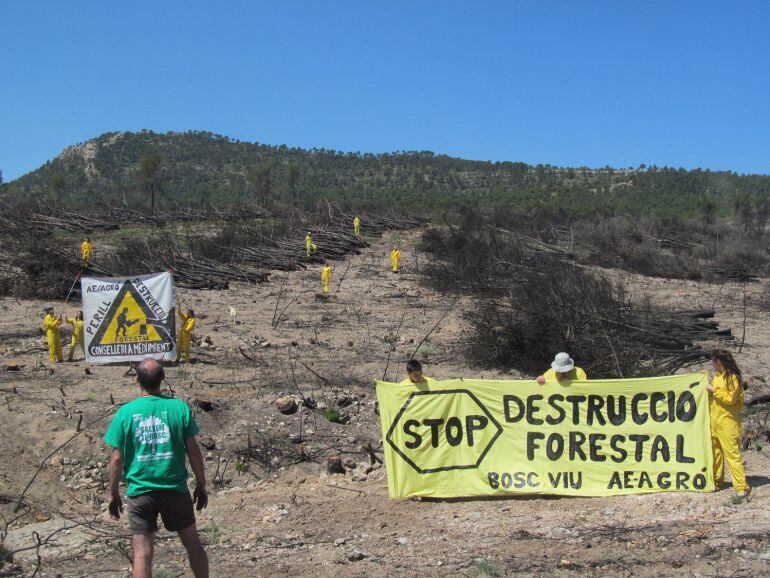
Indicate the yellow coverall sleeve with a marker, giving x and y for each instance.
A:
(727, 390)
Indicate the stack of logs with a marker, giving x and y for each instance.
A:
(676, 335)
(290, 254)
(241, 244)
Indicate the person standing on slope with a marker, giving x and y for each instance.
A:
(395, 257)
(326, 277)
(77, 334)
(151, 437)
(85, 251)
(52, 327)
(357, 227)
(310, 247)
(185, 334)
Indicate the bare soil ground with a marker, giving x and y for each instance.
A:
(275, 511)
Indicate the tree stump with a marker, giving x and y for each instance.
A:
(334, 465)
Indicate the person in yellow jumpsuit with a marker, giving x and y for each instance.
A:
(77, 334)
(414, 375)
(395, 257)
(85, 251)
(726, 393)
(562, 370)
(309, 245)
(52, 326)
(185, 334)
(357, 226)
(326, 276)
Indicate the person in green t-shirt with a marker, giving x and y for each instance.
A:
(151, 436)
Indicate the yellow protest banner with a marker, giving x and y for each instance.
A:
(467, 437)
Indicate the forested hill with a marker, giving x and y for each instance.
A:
(172, 169)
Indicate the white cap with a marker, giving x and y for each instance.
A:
(562, 363)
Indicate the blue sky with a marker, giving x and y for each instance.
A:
(681, 83)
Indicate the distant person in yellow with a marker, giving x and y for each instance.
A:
(395, 257)
(414, 374)
(309, 245)
(185, 334)
(357, 226)
(726, 393)
(562, 370)
(326, 276)
(77, 334)
(52, 327)
(85, 251)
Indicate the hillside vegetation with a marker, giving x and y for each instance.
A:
(201, 168)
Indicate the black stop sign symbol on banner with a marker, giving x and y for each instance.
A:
(438, 431)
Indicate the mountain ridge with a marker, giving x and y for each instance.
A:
(199, 167)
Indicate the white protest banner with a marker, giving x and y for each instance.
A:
(129, 318)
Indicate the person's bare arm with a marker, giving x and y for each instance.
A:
(116, 470)
(200, 495)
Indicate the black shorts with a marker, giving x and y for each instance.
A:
(175, 509)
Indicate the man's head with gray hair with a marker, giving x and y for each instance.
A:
(149, 374)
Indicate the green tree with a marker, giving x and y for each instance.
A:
(743, 209)
(55, 188)
(292, 177)
(708, 208)
(761, 213)
(148, 173)
(259, 176)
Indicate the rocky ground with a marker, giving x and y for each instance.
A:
(275, 510)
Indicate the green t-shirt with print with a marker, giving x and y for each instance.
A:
(151, 433)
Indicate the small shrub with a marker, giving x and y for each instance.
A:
(744, 257)
(487, 569)
(764, 299)
(213, 533)
(163, 573)
(332, 414)
(5, 556)
(425, 350)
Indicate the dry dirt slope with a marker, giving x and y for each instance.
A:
(276, 512)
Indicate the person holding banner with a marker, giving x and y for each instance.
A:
(326, 277)
(85, 251)
(726, 393)
(562, 370)
(52, 332)
(185, 334)
(77, 334)
(414, 374)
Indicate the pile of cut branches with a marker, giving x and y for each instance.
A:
(533, 303)
(236, 245)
